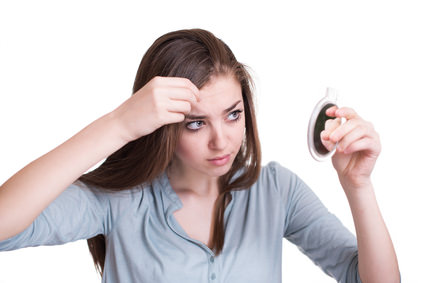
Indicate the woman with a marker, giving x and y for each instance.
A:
(182, 197)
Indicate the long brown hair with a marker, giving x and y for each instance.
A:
(195, 54)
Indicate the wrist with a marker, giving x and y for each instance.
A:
(110, 131)
(117, 128)
(355, 183)
(358, 191)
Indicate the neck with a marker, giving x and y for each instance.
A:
(188, 181)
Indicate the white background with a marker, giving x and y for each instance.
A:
(63, 64)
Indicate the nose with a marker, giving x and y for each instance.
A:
(218, 139)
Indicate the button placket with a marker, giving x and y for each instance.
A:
(213, 276)
(212, 269)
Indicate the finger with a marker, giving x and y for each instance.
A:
(331, 111)
(351, 137)
(330, 126)
(183, 83)
(343, 130)
(329, 145)
(179, 106)
(174, 117)
(180, 93)
(365, 144)
(347, 113)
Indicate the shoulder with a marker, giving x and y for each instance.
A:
(107, 195)
(277, 176)
(111, 204)
(279, 181)
(275, 168)
(275, 183)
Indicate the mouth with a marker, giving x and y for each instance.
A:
(220, 160)
(219, 157)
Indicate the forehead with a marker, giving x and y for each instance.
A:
(218, 94)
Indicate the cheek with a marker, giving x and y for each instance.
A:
(188, 147)
(239, 133)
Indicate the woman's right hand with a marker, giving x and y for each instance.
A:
(163, 100)
(28, 192)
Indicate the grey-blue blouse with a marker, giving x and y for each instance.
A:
(145, 243)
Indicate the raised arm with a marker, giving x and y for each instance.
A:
(357, 152)
(28, 192)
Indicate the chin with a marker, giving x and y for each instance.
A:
(218, 171)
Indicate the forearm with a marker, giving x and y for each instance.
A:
(377, 260)
(27, 193)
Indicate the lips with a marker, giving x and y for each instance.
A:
(220, 160)
(219, 157)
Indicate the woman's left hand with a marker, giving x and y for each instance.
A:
(357, 150)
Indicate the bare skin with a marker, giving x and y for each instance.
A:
(196, 218)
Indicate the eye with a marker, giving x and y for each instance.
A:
(235, 115)
(195, 125)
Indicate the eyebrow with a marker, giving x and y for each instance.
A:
(201, 117)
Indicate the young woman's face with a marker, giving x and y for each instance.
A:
(214, 129)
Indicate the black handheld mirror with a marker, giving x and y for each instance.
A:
(317, 124)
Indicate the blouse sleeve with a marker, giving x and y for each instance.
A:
(315, 231)
(78, 213)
